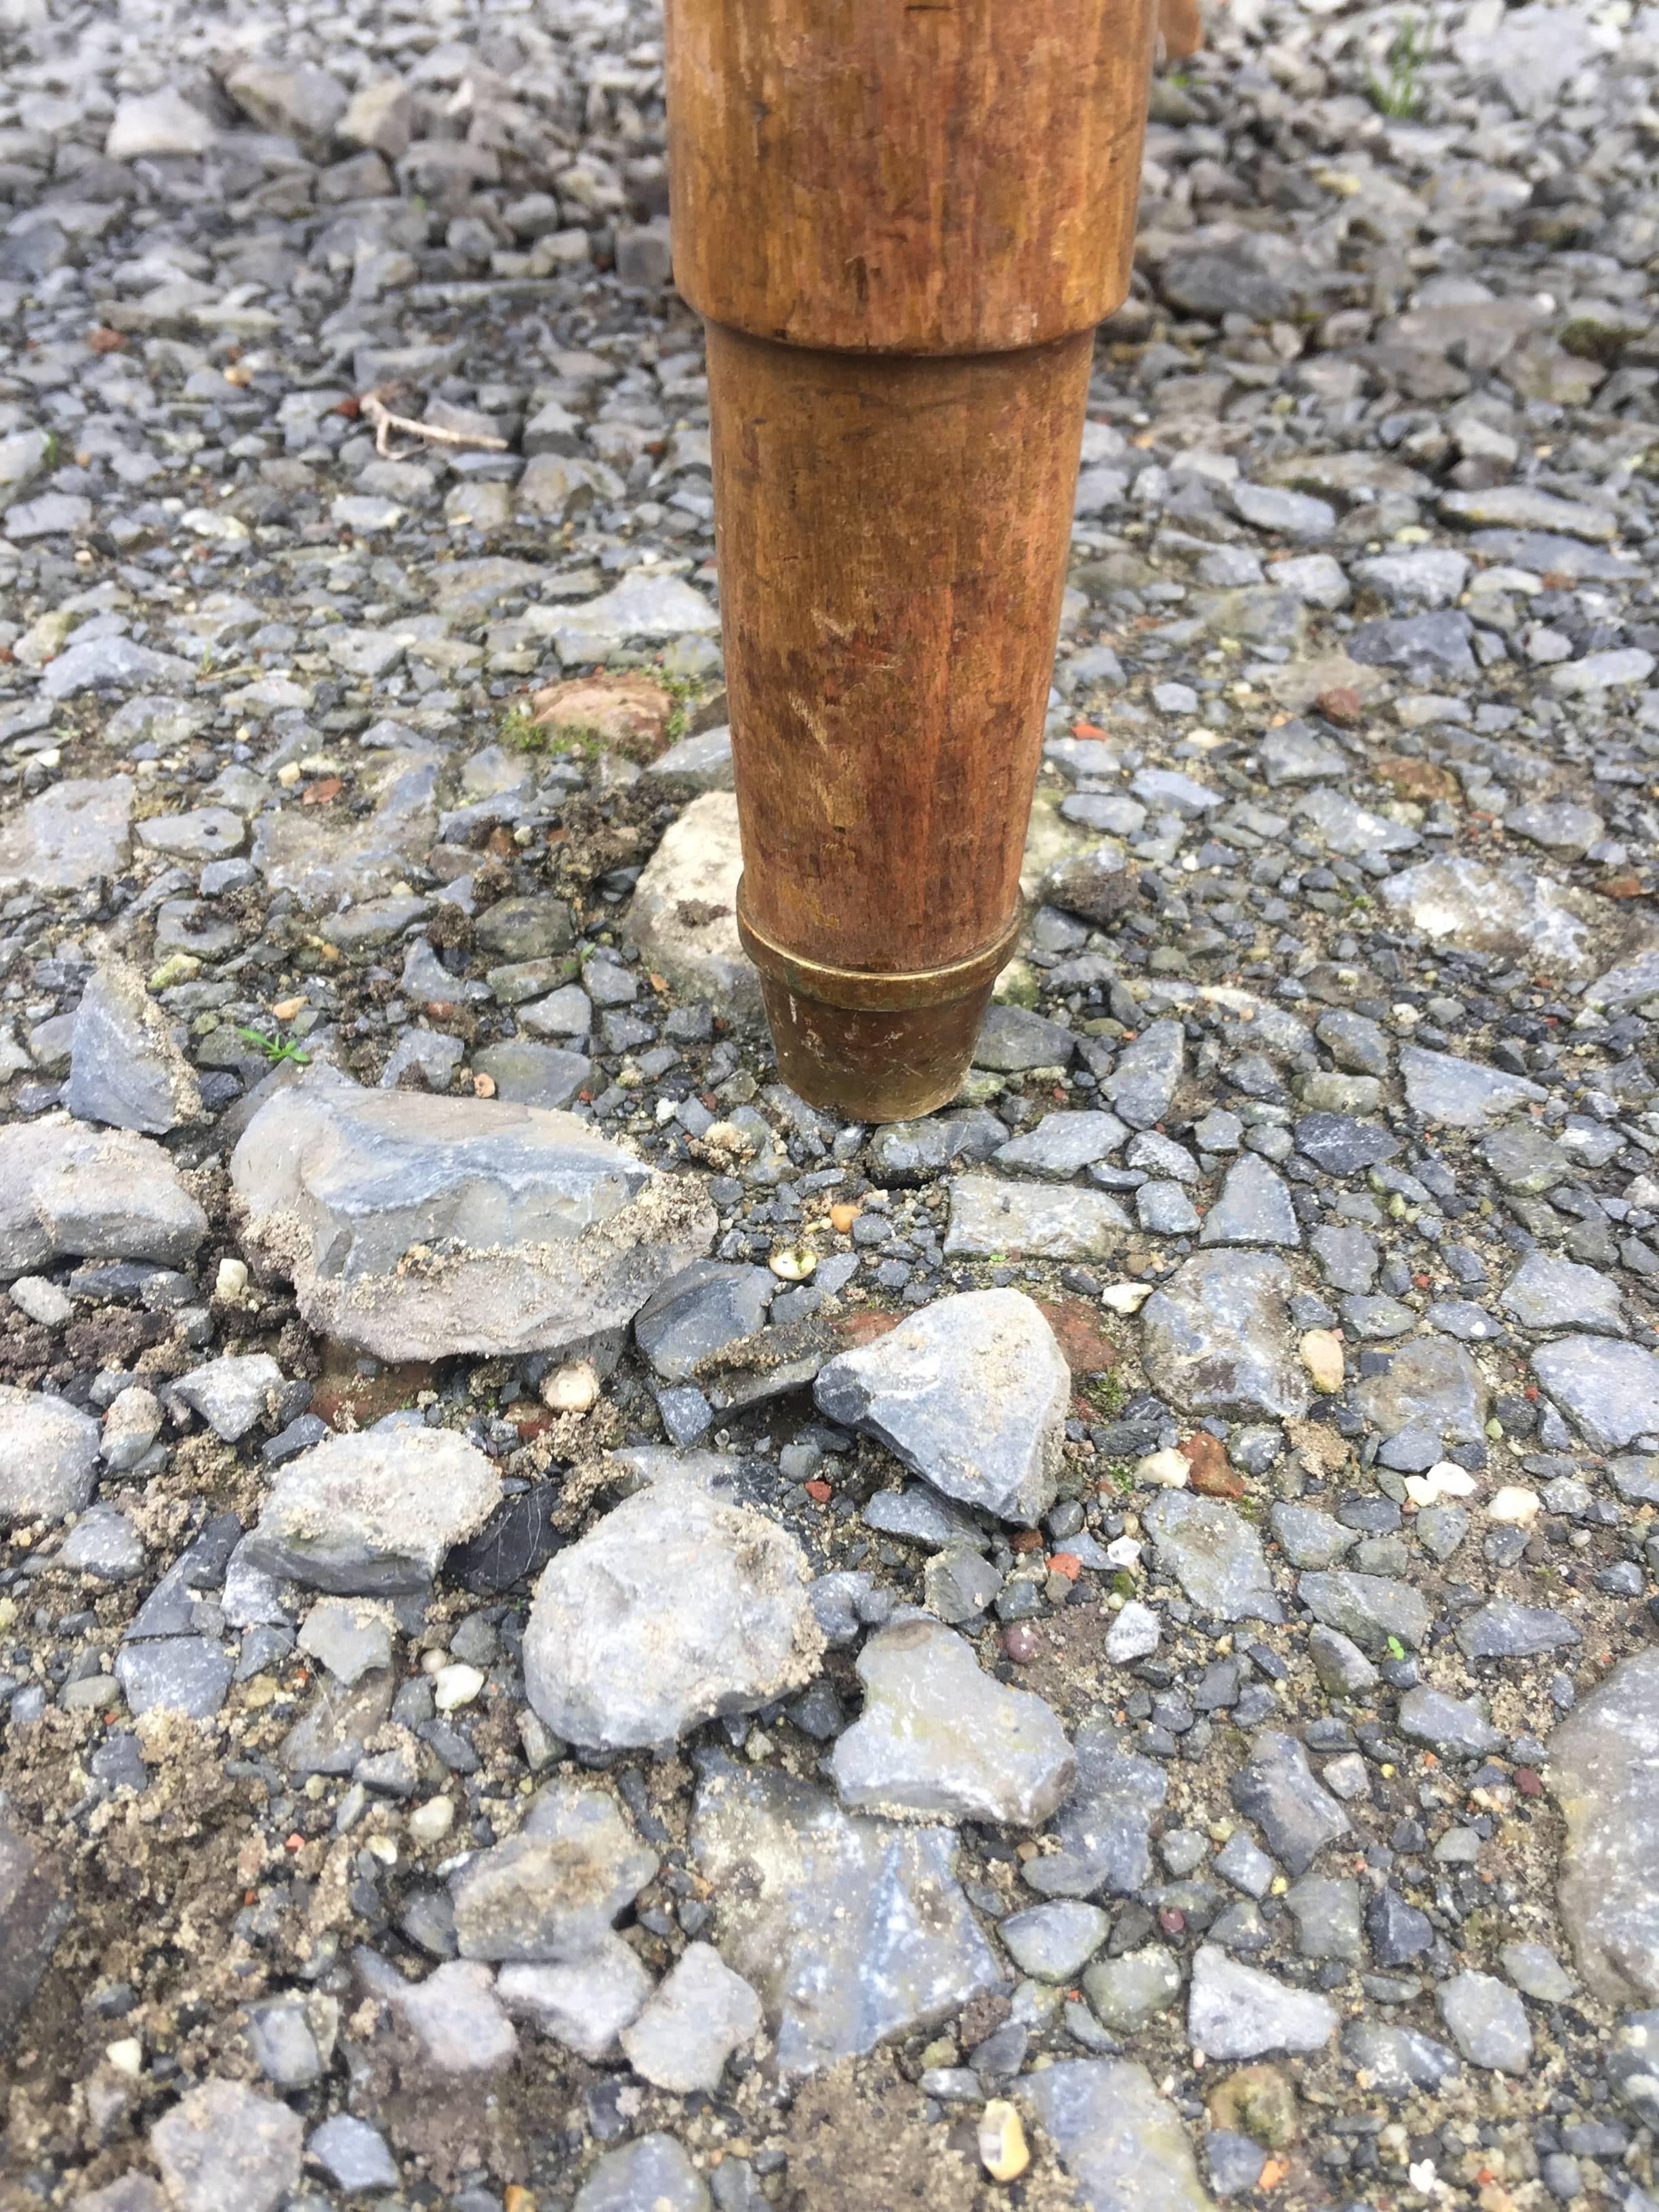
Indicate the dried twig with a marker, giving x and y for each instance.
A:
(374, 409)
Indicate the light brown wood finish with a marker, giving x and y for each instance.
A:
(892, 551)
(902, 224)
(948, 176)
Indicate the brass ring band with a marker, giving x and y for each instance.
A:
(863, 990)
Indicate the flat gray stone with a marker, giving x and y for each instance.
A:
(1450, 1093)
(900, 1951)
(1604, 1775)
(1610, 1390)
(1504, 1630)
(527, 1074)
(349, 856)
(1142, 1085)
(1486, 2020)
(1054, 1941)
(939, 1739)
(1104, 1827)
(1455, 1728)
(93, 1193)
(351, 1640)
(1217, 1337)
(1511, 908)
(1279, 1791)
(224, 2147)
(1062, 1144)
(1521, 507)
(372, 1514)
(914, 1152)
(676, 1609)
(550, 1894)
(74, 832)
(989, 1217)
(234, 1393)
(683, 913)
(971, 1393)
(650, 2174)
(1253, 1207)
(353, 2155)
(1396, 2061)
(418, 1227)
(700, 2012)
(584, 2004)
(1547, 1294)
(48, 1456)
(1432, 1397)
(697, 1313)
(188, 1674)
(1213, 1552)
(1124, 2145)
(1367, 1608)
(124, 1068)
(1129, 1991)
(1234, 2011)
(1012, 1039)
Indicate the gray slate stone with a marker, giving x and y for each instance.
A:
(1486, 2020)
(971, 1393)
(224, 2147)
(700, 2012)
(550, 1894)
(901, 1951)
(1234, 2011)
(1142, 1085)
(124, 1068)
(1611, 1391)
(74, 832)
(1604, 1774)
(990, 1217)
(1548, 1293)
(714, 1303)
(1012, 1039)
(1217, 1337)
(913, 1152)
(1122, 2143)
(1062, 1144)
(1279, 1791)
(1253, 1207)
(1054, 1941)
(530, 1232)
(1213, 1552)
(372, 1514)
(1461, 1094)
(232, 1394)
(1104, 1827)
(93, 1193)
(584, 2004)
(1369, 1608)
(48, 1456)
(650, 2174)
(675, 1608)
(940, 1739)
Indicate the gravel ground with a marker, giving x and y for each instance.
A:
(574, 1633)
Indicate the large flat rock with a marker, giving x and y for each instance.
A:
(415, 1227)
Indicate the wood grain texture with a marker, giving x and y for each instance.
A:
(892, 542)
(940, 177)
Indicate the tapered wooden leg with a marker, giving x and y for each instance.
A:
(900, 226)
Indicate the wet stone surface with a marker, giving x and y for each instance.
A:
(575, 1631)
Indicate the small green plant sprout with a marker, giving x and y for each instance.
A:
(274, 1048)
(1396, 1648)
(1399, 94)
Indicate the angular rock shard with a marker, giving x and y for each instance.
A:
(416, 1227)
(93, 1194)
(853, 1929)
(374, 1514)
(1123, 2144)
(939, 1737)
(971, 1393)
(676, 1608)
(1604, 1771)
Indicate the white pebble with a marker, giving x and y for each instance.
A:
(455, 1686)
(427, 1823)
(231, 1280)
